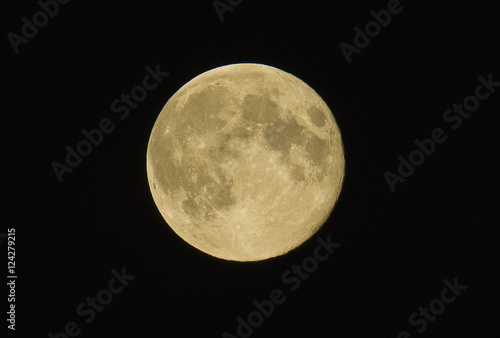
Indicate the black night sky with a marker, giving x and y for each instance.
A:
(432, 71)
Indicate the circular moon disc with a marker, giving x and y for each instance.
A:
(245, 162)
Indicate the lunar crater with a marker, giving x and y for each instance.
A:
(245, 162)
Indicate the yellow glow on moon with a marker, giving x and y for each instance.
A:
(245, 162)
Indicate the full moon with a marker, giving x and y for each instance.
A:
(245, 162)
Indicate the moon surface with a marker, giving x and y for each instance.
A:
(245, 162)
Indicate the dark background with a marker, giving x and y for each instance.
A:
(396, 247)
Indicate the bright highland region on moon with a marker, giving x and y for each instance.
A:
(245, 162)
